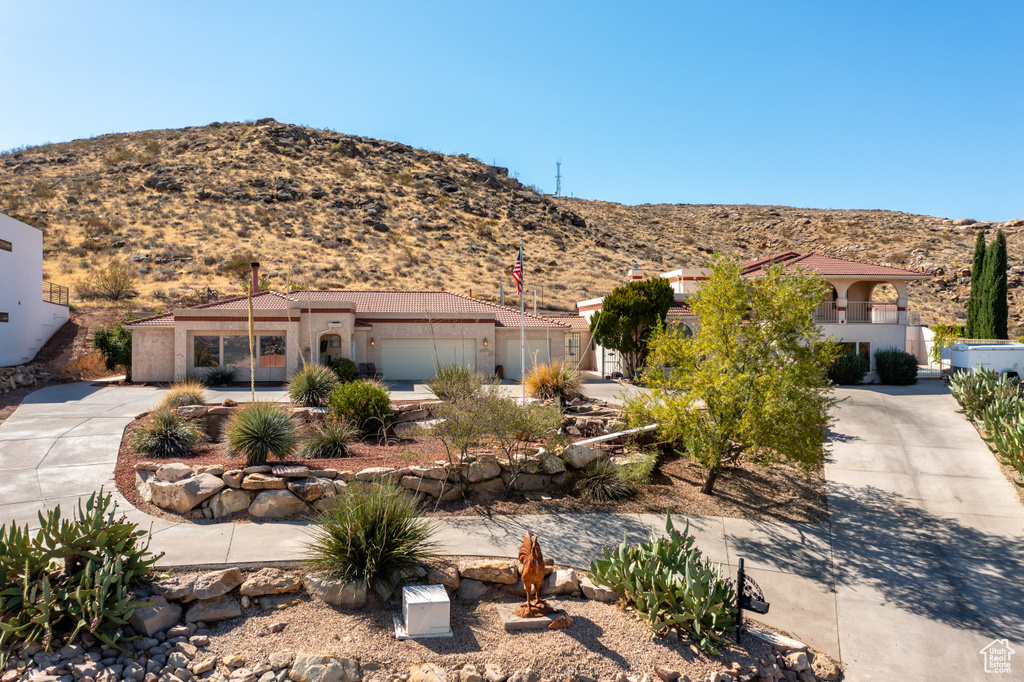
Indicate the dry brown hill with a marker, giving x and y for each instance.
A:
(324, 209)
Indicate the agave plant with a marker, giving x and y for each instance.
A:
(260, 430)
(311, 385)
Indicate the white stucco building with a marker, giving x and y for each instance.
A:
(30, 310)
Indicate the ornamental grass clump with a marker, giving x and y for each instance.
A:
(219, 376)
(311, 385)
(72, 576)
(183, 393)
(555, 380)
(603, 481)
(166, 435)
(370, 535)
(329, 440)
(260, 430)
(365, 404)
(672, 585)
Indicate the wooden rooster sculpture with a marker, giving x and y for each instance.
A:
(532, 573)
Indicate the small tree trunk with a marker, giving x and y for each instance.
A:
(709, 481)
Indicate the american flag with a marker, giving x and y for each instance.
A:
(517, 272)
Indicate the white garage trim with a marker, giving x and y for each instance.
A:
(418, 359)
(538, 352)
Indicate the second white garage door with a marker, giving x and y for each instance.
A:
(536, 353)
(417, 359)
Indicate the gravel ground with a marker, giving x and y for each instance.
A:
(604, 640)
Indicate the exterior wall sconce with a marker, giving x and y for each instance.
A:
(485, 342)
(372, 342)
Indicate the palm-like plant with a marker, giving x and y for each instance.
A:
(167, 435)
(311, 385)
(260, 430)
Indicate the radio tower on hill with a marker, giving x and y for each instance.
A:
(558, 178)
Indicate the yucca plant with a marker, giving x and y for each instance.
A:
(166, 435)
(182, 393)
(219, 376)
(455, 382)
(311, 385)
(672, 585)
(603, 481)
(370, 535)
(260, 430)
(555, 380)
(329, 440)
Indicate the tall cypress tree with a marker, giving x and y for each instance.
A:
(995, 287)
(974, 302)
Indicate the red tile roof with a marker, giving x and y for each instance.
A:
(826, 266)
(574, 321)
(679, 308)
(412, 302)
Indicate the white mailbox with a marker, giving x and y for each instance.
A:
(426, 611)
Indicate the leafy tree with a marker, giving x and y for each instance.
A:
(629, 315)
(115, 343)
(751, 381)
(974, 302)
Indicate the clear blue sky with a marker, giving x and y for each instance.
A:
(913, 106)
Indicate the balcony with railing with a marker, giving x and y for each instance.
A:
(55, 293)
(858, 312)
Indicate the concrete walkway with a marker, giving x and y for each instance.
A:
(917, 570)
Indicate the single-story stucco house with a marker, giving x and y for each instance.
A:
(405, 335)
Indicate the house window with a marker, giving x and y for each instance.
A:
(572, 348)
(861, 348)
(272, 350)
(5, 245)
(236, 351)
(206, 351)
(5, 317)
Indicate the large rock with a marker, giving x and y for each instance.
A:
(174, 587)
(149, 620)
(270, 581)
(308, 668)
(481, 471)
(378, 473)
(142, 479)
(275, 504)
(186, 494)
(175, 471)
(471, 589)
(234, 478)
(561, 581)
(427, 672)
(216, 583)
(435, 488)
(310, 489)
(261, 481)
(230, 501)
(599, 592)
(438, 473)
(580, 456)
(209, 610)
(501, 571)
(336, 592)
(446, 575)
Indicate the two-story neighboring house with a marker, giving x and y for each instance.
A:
(854, 312)
(30, 310)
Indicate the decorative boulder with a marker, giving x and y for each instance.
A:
(216, 584)
(270, 581)
(275, 504)
(149, 620)
(261, 481)
(175, 471)
(336, 592)
(209, 610)
(230, 501)
(505, 572)
(324, 669)
(482, 471)
(186, 494)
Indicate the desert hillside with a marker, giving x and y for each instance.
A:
(329, 210)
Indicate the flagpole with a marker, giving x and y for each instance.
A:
(522, 319)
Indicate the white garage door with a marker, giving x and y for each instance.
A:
(536, 353)
(417, 359)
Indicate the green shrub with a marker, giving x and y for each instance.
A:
(260, 430)
(167, 435)
(182, 393)
(554, 381)
(72, 576)
(113, 282)
(364, 403)
(848, 370)
(896, 367)
(219, 376)
(603, 481)
(115, 344)
(671, 585)
(455, 382)
(345, 369)
(370, 535)
(311, 385)
(328, 440)
(639, 466)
